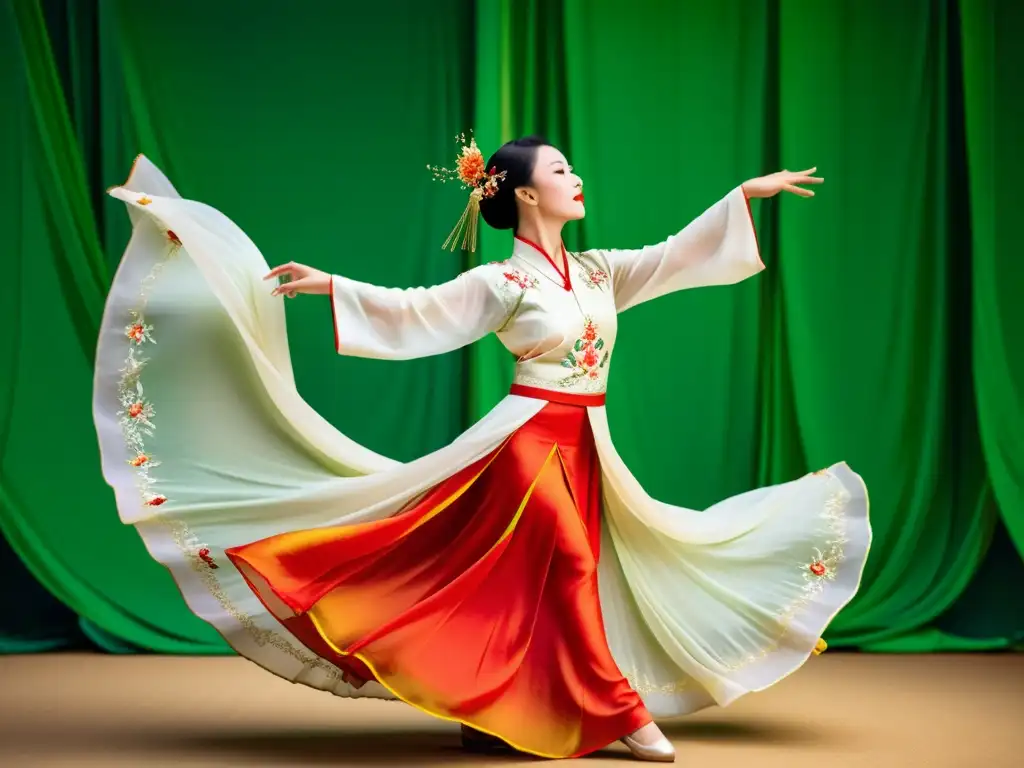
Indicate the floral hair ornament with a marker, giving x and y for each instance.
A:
(470, 171)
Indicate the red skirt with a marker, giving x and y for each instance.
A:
(478, 603)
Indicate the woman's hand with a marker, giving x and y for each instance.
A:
(788, 181)
(300, 279)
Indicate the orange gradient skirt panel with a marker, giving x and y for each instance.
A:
(478, 603)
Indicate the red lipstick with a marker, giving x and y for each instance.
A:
(579, 197)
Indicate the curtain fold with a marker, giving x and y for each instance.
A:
(992, 57)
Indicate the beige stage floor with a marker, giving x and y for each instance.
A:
(840, 710)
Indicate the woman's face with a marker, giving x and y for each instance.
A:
(555, 191)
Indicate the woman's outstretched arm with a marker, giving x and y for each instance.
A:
(718, 248)
(403, 323)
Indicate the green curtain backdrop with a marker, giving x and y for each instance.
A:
(317, 149)
(881, 334)
(55, 511)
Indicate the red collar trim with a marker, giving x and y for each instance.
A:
(563, 272)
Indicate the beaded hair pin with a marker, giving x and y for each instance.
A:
(470, 171)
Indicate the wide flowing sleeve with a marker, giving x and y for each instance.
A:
(402, 324)
(718, 248)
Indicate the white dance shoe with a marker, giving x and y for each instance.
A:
(661, 751)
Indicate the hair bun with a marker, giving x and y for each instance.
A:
(499, 211)
(517, 159)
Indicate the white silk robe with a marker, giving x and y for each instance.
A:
(208, 445)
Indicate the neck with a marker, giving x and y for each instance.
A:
(546, 234)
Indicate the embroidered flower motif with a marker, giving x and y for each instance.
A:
(823, 566)
(820, 473)
(594, 278)
(137, 410)
(204, 555)
(585, 358)
(175, 240)
(139, 332)
(820, 647)
(144, 200)
(521, 279)
(136, 414)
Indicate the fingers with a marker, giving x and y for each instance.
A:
(291, 288)
(792, 180)
(284, 269)
(798, 190)
(805, 177)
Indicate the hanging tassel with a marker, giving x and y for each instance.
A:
(467, 226)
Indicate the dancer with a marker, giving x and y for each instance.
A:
(518, 581)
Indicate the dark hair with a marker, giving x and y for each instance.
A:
(517, 159)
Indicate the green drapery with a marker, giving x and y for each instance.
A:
(871, 298)
(995, 153)
(54, 508)
(880, 334)
(345, 190)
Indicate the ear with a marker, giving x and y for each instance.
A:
(526, 195)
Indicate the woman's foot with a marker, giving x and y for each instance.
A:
(649, 744)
